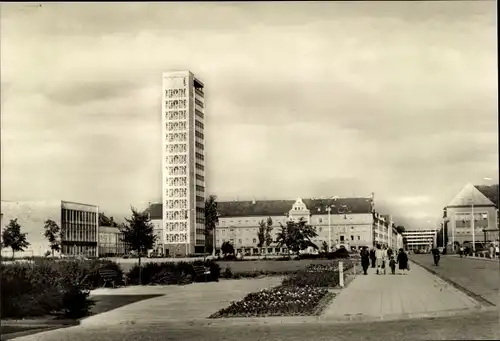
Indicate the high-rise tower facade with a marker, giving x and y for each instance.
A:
(183, 145)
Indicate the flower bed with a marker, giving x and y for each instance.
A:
(279, 301)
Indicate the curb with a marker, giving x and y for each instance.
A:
(469, 293)
(405, 316)
(9, 336)
(40, 322)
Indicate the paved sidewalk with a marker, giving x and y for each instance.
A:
(416, 294)
(189, 302)
(480, 258)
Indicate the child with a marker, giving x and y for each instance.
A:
(392, 264)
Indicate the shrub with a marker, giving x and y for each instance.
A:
(172, 273)
(44, 287)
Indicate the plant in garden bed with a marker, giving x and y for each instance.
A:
(279, 301)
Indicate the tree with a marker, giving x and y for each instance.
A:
(138, 234)
(400, 229)
(13, 238)
(269, 228)
(211, 219)
(53, 235)
(296, 236)
(261, 235)
(227, 248)
(105, 221)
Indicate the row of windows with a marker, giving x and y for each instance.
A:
(200, 135)
(199, 124)
(200, 156)
(176, 115)
(177, 148)
(199, 91)
(79, 233)
(176, 238)
(177, 182)
(176, 104)
(74, 250)
(200, 188)
(176, 203)
(177, 170)
(200, 167)
(176, 193)
(177, 226)
(176, 137)
(199, 113)
(200, 177)
(254, 240)
(175, 93)
(177, 159)
(198, 102)
(176, 126)
(200, 199)
(78, 216)
(199, 145)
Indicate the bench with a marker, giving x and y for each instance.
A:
(108, 276)
(201, 271)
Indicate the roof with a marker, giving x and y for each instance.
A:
(472, 195)
(282, 207)
(490, 192)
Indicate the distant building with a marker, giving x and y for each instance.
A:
(421, 240)
(78, 223)
(474, 208)
(111, 242)
(183, 163)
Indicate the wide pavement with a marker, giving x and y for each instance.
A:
(477, 326)
(414, 294)
(479, 276)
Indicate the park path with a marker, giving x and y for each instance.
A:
(193, 301)
(418, 293)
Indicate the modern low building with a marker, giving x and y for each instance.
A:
(78, 222)
(472, 215)
(421, 240)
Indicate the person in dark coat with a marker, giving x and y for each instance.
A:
(372, 257)
(365, 260)
(402, 260)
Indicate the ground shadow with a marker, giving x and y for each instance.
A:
(104, 303)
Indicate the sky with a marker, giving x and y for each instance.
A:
(302, 100)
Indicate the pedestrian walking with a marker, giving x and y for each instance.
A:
(392, 264)
(403, 261)
(492, 251)
(365, 260)
(390, 253)
(379, 255)
(373, 257)
(461, 251)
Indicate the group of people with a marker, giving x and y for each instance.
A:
(381, 258)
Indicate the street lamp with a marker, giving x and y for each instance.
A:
(329, 209)
(214, 243)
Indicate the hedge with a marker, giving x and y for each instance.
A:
(172, 272)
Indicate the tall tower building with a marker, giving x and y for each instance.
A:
(183, 145)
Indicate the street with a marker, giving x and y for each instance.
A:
(482, 277)
(476, 326)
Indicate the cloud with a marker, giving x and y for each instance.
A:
(302, 99)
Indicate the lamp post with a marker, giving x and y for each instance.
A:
(214, 241)
(329, 209)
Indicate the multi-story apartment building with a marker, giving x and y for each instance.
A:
(472, 215)
(78, 222)
(421, 240)
(183, 160)
(339, 222)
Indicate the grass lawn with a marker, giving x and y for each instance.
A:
(270, 265)
(105, 303)
(15, 329)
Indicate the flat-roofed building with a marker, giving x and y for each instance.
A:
(78, 222)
